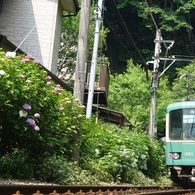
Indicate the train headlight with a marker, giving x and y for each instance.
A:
(175, 155)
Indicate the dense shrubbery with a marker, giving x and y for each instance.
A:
(38, 117)
(121, 153)
(38, 120)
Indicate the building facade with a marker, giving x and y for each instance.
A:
(35, 27)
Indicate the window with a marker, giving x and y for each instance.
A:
(176, 124)
(182, 124)
(1, 4)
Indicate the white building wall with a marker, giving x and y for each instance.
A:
(17, 19)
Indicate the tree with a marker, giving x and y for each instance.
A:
(130, 93)
(183, 85)
(174, 18)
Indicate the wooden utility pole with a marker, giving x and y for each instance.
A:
(81, 63)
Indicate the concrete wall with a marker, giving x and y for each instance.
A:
(17, 19)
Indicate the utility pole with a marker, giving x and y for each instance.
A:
(152, 126)
(94, 59)
(156, 76)
(80, 72)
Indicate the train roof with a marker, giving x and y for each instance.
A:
(180, 105)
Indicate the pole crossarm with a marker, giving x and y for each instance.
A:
(175, 58)
(164, 42)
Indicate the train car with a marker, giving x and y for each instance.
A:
(180, 141)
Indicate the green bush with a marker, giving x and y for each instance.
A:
(120, 152)
(38, 123)
(16, 165)
(37, 116)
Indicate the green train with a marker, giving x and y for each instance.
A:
(180, 141)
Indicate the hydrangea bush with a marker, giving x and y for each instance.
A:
(121, 153)
(37, 116)
(39, 121)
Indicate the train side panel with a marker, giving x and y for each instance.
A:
(186, 151)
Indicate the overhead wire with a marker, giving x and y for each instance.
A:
(156, 26)
(151, 15)
(115, 34)
(129, 35)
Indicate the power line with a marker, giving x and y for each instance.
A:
(151, 15)
(117, 37)
(128, 33)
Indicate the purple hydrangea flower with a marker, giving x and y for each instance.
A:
(37, 115)
(31, 122)
(50, 145)
(27, 107)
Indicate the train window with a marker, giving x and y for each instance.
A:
(189, 123)
(182, 124)
(175, 124)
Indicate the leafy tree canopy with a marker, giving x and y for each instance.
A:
(130, 93)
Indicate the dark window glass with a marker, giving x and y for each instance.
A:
(182, 124)
(1, 4)
(175, 124)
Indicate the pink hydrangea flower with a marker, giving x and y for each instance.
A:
(57, 89)
(37, 115)
(48, 83)
(25, 60)
(48, 78)
(36, 128)
(36, 62)
(28, 57)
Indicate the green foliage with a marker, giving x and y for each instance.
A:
(38, 117)
(120, 152)
(16, 165)
(69, 43)
(52, 169)
(135, 91)
(79, 176)
(171, 15)
(183, 85)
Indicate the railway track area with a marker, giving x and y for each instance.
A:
(90, 190)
